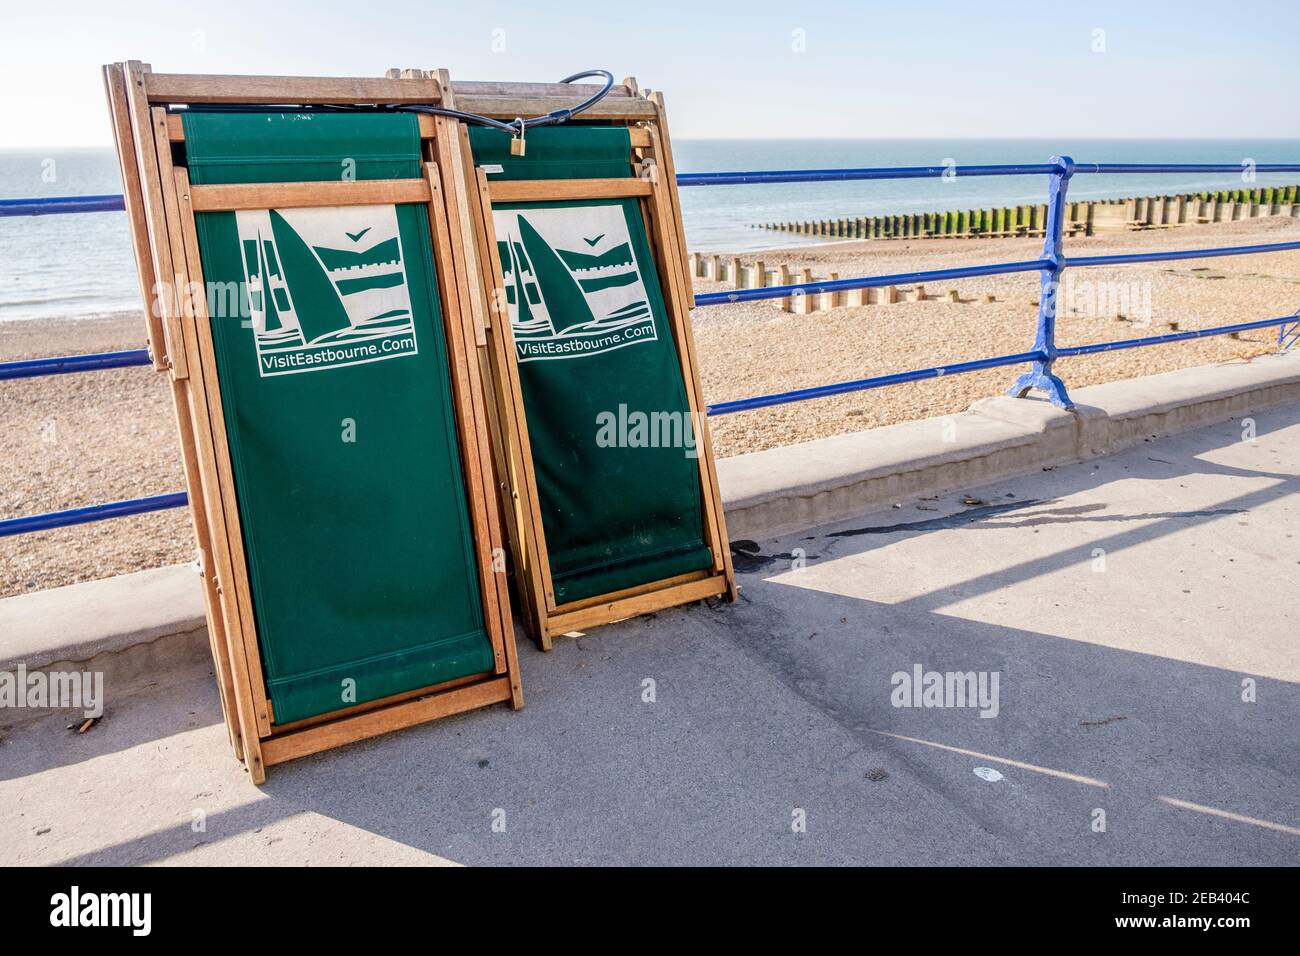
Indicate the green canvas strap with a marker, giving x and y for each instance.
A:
(338, 415)
(609, 423)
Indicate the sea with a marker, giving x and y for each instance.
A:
(81, 265)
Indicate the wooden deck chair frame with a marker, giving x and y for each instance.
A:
(656, 190)
(160, 206)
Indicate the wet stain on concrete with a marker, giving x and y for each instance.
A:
(746, 557)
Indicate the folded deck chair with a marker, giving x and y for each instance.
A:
(338, 422)
(613, 437)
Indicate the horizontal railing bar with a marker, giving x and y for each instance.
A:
(756, 176)
(1174, 336)
(30, 368)
(57, 205)
(897, 378)
(74, 516)
(1185, 168)
(868, 282)
(753, 177)
(880, 381)
(1120, 259)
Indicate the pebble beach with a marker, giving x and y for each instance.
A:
(73, 440)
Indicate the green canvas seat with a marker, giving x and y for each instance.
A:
(338, 414)
(605, 401)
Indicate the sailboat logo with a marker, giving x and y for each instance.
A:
(326, 287)
(572, 283)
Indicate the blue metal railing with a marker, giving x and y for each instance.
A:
(30, 368)
(1050, 266)
(114, 509)
(57, 205)
(1041, 357)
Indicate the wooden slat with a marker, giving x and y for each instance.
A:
(219, 480)
(575, 92)
(462, 230)
(443, 77)
(451, 146)
(175, 128)
(362, 192)
(246, 670)
(508, 107)
(373, 723)
(532, 545)
(207, 524)
(151, 188)
(169, 297)
(133, 190)
(514, 489)
(345, 712)
(133, 197)
(635, 591)
(544, 190)
(165, 88)
(475, 459)
(610, 611)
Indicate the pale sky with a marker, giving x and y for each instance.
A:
(743, 70)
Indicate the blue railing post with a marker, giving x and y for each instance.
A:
(1289, 335)
(1040, 376)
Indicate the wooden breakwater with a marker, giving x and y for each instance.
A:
(1120, 301)
(1086, 217)
(759, 275)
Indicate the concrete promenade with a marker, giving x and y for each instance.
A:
(1126, 605)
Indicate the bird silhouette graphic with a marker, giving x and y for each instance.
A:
(592, 242)
(356, 236)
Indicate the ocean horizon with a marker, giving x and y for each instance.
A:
(80, 265)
